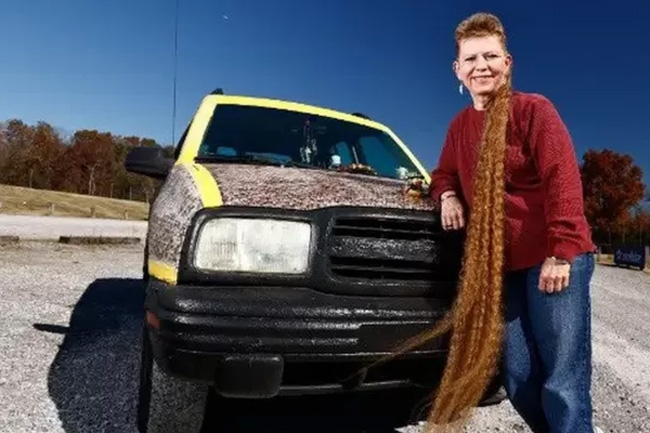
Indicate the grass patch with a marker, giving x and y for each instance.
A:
(606, 259)
(16, 200)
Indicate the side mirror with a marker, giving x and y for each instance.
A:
(148, 161)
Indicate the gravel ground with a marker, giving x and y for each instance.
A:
(69, 354)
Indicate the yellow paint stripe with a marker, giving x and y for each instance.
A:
(163, 271)
(207, 186)
(197, 129)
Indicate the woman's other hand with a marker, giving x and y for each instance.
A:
(452, 212)
(554, 276)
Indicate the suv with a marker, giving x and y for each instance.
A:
(288, 247)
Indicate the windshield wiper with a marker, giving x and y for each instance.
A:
(233, 158)
(415, 176)
(252, 159)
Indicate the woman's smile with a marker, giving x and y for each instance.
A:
(483, 79)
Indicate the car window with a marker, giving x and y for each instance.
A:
(289, 136)
(343, 150)
(380, 153)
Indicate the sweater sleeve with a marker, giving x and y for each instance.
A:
(558, 167)
(445, 176)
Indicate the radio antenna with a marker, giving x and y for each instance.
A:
(175, 75)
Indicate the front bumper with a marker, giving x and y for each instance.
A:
(265, 341)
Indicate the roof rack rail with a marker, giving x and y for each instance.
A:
(361, 115)
(217, 91)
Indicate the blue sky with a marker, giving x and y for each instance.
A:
(108, 65)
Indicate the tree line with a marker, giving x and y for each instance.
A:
(87, 162)
(92, 162)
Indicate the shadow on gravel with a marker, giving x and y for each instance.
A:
(93, 380)
(361, 413)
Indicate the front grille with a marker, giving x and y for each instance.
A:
(381, 248)
(381, 269)
(383, 228)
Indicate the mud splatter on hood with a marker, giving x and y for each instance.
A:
(306, 189)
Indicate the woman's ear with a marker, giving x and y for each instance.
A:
(509, 60)
(454, 66)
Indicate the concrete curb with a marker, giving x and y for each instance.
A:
(99, 240)
(73, 240)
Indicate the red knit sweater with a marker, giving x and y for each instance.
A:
(544, 202)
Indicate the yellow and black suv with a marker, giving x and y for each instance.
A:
(288, 247)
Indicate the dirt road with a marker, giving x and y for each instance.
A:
(39, 227)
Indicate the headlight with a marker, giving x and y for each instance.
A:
(253, 245)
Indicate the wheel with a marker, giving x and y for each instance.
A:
(145, 263)
(167, 404)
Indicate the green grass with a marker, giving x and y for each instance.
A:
(15, 200)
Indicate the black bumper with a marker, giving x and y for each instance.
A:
(264, 341)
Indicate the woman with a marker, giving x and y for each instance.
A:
(508, 172)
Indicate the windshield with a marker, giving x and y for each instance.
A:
(267, 135)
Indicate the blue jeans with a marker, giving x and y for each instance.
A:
(547, 352)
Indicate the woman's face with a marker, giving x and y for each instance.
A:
(482, 64)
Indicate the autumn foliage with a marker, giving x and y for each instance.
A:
(88, 162)
(613, 190)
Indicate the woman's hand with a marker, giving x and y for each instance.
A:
(554, 276)
(452, 213)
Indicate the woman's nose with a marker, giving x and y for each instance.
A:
(481, 63)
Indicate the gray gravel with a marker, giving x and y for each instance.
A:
(69, 353)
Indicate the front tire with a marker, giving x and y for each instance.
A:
(145, 264)
(167, 404)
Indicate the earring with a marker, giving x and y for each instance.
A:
(460, 88)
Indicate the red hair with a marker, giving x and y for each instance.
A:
(476, 318)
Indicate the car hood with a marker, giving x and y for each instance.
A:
(307, 189)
